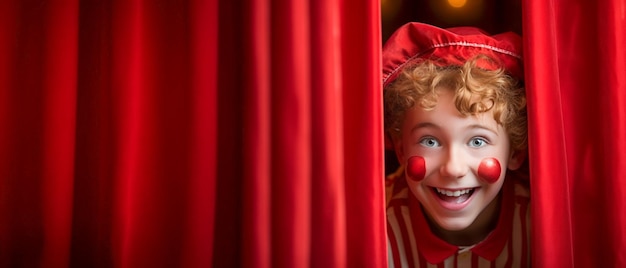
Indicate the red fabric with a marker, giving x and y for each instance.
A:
(575, 65)
(452, 46)
(300, 152)
(192, 133)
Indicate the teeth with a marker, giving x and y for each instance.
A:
(456, 193)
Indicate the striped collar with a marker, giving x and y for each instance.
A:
(436, 250)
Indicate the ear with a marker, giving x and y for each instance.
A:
(517, 159)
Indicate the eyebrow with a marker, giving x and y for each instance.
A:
(479, 126)
(424, 125)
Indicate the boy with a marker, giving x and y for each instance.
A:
(456, 115)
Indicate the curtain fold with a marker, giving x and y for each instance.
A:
(38, 85)
(257, 248)
(192, 133)
(59, 79)
(575, 67)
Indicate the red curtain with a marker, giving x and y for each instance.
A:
(300, 160)
(108, 141)
(194, 133)
(197, 133)
(576, 80)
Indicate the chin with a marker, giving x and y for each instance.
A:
(454, 224)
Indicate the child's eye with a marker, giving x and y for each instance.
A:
(477, 142)
(429, 142)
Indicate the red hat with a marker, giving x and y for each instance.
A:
(453, 46)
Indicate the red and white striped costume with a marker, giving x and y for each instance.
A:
(411, 243)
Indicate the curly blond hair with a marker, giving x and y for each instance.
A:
(476, 90)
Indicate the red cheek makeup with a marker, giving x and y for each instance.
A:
(489, 170)
(416, 168)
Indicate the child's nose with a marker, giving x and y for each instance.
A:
(455, 164)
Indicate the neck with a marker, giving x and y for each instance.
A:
(476, 232)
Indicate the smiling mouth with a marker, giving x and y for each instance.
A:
(454, 196)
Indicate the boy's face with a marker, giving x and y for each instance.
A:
(453, 147)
